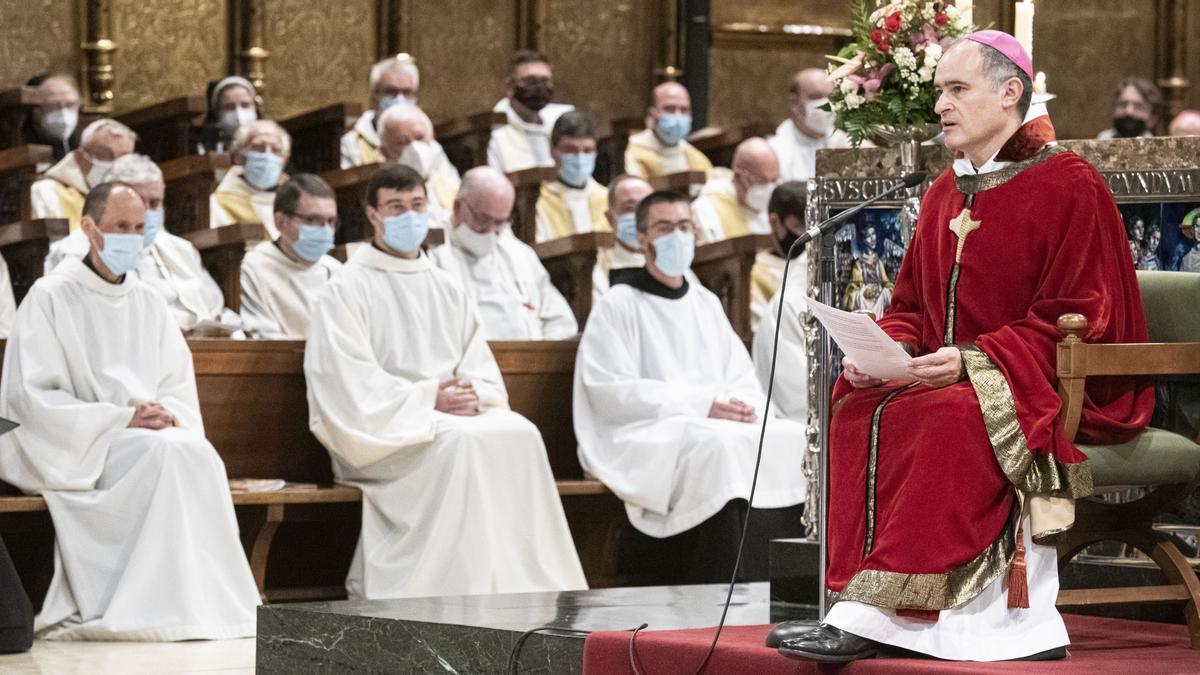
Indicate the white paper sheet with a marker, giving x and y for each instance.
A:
(870, 349)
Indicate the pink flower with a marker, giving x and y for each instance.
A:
(918, 39)
(848, 68)
(874, 80)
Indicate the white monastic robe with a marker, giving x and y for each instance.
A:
(361, 144)
(8, 302)
(512, 289)
(616, 258)
(278, 293)
(61, 193)
(520, 145)
(452, 505)
(236, 201)
(718, 214)
(648, 370)
(171, 266)
(647, 157)
(147, 544)
(765, 278)
(790, 396)
(797, 152)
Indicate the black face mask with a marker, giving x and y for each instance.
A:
(785, 244)
(534, 96)
(1129, 127)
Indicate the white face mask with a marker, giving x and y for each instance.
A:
(478, 245)
(818, 121)
(759, 196)
(61, 123)
(231, 120)
(419, 156)
(99, 170)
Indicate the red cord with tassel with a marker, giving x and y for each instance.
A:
(1018, 584)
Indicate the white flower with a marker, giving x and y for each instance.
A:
(926, 73)
(848, 87)
(904, 59)
(933, 52)
(854, 100)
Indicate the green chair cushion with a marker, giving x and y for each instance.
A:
(1155, 457)
(1171, 300)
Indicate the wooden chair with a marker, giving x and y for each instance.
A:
(1167, 462)
(18, 171)
(317, 136)
(350, 186)
(222, 250)
(724, 268)
(14, 106)
(687, 183)
(465, 140)
(570, 262)
(719, 144)
(165, 129)
(610, 147)
(189, 183)
(25, 245)
(528, 186)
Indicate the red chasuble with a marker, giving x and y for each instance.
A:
(927, 485)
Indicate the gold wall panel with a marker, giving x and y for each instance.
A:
(604, 55)
(775, 12)
(37, 36)
(749, 84)
(167, 49)
(462, 48)
(1193, 57)
(320, 53)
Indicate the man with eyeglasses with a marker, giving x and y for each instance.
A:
(281, 279)
(403, 391)
(667, 411)
(501, 274)
(62, 189)
(734, 203)
(524, 141)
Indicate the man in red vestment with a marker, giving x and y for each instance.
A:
(945, 490)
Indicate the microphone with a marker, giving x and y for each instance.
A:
(909, 181)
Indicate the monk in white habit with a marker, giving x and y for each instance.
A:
(573, 202)
(808, 129)
(247, 192)
(662, 149)
(282, 279)
(625, 257)
(734, 203)
(458, 498)
(406, 133)
(100, 378)
(501, 274)
(523, 142)
(8, 302)
(170, 265)
(62, 189)
(393, 81)
(668, 411)
(790, 396)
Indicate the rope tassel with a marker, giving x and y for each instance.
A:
(1018, 584)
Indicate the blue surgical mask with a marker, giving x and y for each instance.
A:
(154, 225)
(313, 242)
(577, 168)
(121, 252)
(627, 229)
(389, 101)
(263, 169)
(673, 252)
(673, 128)
(405, 232)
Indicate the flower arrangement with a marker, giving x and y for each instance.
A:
(883, 79)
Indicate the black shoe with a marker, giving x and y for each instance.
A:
(1054, 654)
(787, 630)
(829, 644)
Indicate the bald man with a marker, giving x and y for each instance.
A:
(394, 80)
(663, 149)
(406, 137)
(501, 274)
(1186, 123)
(625, 257)
(808, 129)
(734, 203)
(62, 189)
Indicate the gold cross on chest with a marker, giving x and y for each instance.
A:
(963, 225)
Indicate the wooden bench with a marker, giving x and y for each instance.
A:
(570, 262)
(222, 250)
(465, 139)
(25, 245)
(687, 183)
(317, 136)
(14, 106)
(165, 129)
(253, 400)
(190, 181)
(720, 144)
(18, 171)
(610, 147)
(724, 268)
(350, 186)
(528, 186)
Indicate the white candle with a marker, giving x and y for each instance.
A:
(1023, 26)
(965, 10)
(1039, 84)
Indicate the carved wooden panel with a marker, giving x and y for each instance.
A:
(320, 53)
(604, 54)
(166, 49)
(36, 36)
(462, 48)
(748, 84)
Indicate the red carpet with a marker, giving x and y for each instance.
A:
(1098, 646)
